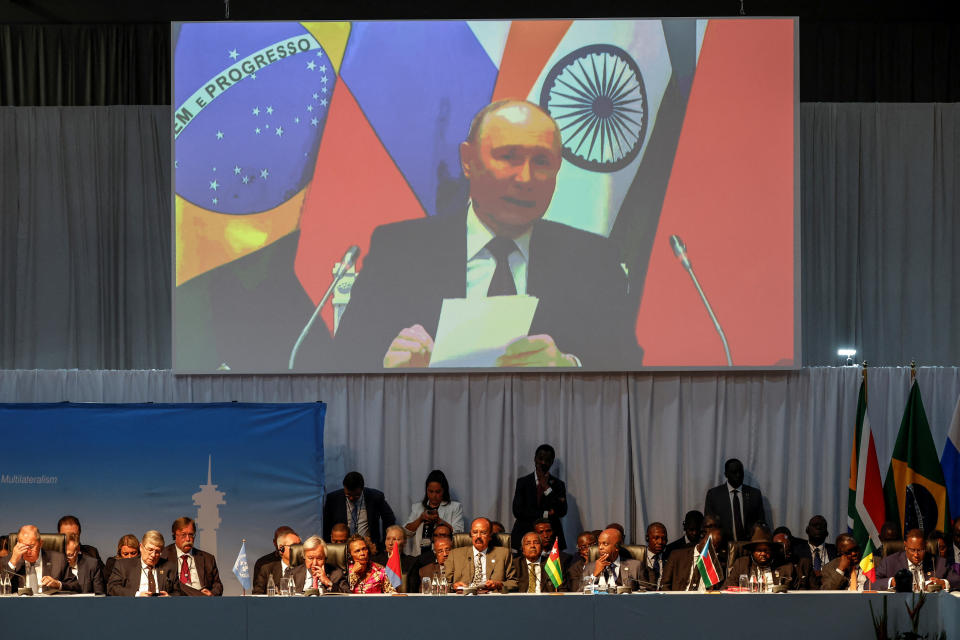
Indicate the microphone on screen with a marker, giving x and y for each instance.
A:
(680, 250)
(349, 259)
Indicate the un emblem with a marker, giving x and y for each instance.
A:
(597, 97)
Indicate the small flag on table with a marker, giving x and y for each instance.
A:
(393, 566)
(867, 566)
(552, 566)
(241, 569)
(707, 567)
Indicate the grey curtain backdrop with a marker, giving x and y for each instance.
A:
(85, 235)
(633, 448)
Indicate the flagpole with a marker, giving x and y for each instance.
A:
(865, 398)
(243, 590)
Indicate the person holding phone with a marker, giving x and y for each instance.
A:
(435, 509)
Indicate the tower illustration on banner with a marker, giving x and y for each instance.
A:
(208, 515)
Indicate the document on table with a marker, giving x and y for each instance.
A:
(473, 332)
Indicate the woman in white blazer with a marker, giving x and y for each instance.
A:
(435, 508)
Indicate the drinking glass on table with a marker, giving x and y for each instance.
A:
(744, 583)
(426, 587)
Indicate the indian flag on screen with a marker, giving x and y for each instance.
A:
(866, 563)
(707, 567)
(552, 566)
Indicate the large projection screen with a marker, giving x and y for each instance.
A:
(626, 199)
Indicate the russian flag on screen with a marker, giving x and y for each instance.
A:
(950, 463)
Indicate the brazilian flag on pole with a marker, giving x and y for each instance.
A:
(915, 491)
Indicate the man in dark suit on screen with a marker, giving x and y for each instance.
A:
(196, 569)
(738, 506)
(365, 511)
(500, 246)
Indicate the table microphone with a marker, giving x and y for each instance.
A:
(349, 259)
(680, 250)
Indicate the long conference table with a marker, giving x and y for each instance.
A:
(821, 615)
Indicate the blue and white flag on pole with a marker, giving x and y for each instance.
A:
(950, 463)
(241, 569)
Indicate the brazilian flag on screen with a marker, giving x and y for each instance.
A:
(915, 491)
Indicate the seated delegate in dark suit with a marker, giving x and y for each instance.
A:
(680, 572)
(761, 563)
(84, 568)
(365, 511)
(42, 570)
(442, 546)
(409, 576)
(197, 570)
(539, 495)
(71, 525)
(574, 572)
(489, 568)
(722, 500)
(816, 549)
(499, 246)
(148, 575)
(278, 568)
(544, 529)
(922, 566)
(656, 552)
(532, 575)
(610, 567)
(127, 547)
(843, 572)
(274, 555)
(315, 573)
(803, 572)
(692, 532)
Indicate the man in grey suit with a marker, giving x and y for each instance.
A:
(610, 568)
(44, 571)
(486, 567)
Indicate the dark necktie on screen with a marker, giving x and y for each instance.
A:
(817, 560)
(737, 518)
(151, 582)
(185, 570)
(532, 579)
(502, 283)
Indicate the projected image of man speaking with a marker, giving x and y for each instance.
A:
(499, 246)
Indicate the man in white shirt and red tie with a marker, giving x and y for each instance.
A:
(42, 570)
(196, 569)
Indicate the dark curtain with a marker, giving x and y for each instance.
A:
(853, 60)
(880, 218)
(85, 235)
(86, 65)
(85, 228)
(883, 61)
